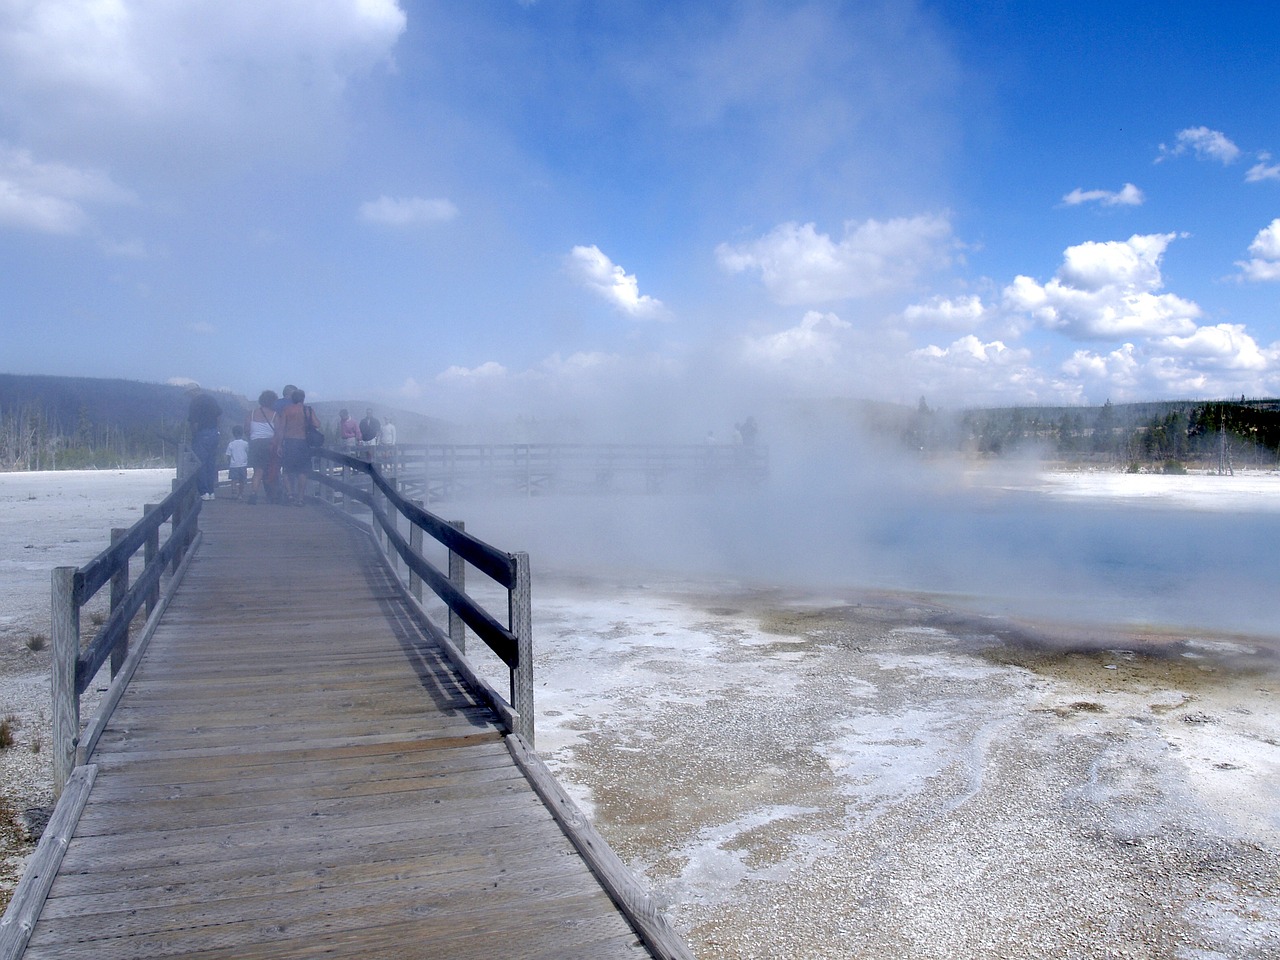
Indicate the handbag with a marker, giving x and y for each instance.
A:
(315, 437)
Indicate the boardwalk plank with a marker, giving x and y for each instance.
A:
(309, 778)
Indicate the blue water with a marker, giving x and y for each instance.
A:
(1021, 553)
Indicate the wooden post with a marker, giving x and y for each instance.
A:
(426, 474)
(64, 624)
(520, 611)
(149, 551)
(119, 587)
(415, 544)
(458, 577)
(393, 518)
(175, 521)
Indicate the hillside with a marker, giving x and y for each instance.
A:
(49, 422)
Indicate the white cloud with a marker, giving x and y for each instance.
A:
(95, 71)
(1119, 368)
(814, 341)
(959, 313)
(1262, 170)
(50, 197)
(1265, 248)
(1106, 291)
(1225, 346)
(971, 351)
(406, 211)
(1126, 196)
(799, 265)
(973, 371)
(590, 267)
(1212, 361)
(1205, 143)
(490, 370)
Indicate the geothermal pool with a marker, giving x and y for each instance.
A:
(942, 715)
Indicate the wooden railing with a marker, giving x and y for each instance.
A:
(73, 667)
(351, 480)
(444, 470)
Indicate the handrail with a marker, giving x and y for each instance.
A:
(73, 667)
(512, 643)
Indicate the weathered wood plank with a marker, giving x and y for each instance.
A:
(312, 778)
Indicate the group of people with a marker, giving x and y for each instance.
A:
(272, 442)
(369, 432)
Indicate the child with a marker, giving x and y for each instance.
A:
(238, 455)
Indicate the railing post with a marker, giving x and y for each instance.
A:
(119, 587)
(520, 607)
(149, 551)
(64, 624)
(415, 544)
(458, 577)
(175, 521)
(426, 474)
(375, 504)
(393, 518)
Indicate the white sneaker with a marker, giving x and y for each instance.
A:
(206, 496)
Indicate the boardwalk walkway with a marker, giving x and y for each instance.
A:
(295, 772)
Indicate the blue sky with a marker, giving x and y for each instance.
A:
(632, 206)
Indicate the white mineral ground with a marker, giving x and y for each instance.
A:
(834, 772)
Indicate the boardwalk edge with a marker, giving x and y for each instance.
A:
(29, 897)
(89, 739)
(478, 685)
(617, 879)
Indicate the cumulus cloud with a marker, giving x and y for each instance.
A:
(1213, 360)
(406, 211)
(1263, 170)
(1225, 346)
(815, 340)
(971, 351)
(1126, 196)
(490, 370)
(959, 313)
(88, 70)
(590, 267)
(1106, 291)
(799, 265)
(971, 370)
(1120, 367)
(1206, 144)
(1265, 264)
(50, 197)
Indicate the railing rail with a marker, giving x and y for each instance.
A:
(74, 666)
(512, 642)
(444, 470)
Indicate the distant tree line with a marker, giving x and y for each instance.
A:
(60, 423)
(1139, 435)
(32, 438)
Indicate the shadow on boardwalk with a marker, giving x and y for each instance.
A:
(274, 782)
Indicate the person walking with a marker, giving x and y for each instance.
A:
(238, 460)
(295, 455)
(262, 434)
(348, 431)
(202, 415)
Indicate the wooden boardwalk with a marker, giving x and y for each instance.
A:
(295, 771)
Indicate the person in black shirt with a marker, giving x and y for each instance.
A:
(203, 414)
